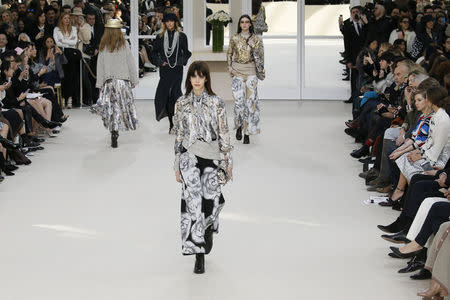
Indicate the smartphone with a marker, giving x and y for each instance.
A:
(426, 166)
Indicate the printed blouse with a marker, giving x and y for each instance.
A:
(202, 118)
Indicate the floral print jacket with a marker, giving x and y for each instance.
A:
(202, 118)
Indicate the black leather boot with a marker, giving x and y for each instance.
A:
(239, 134)
(114, 137)
(199, 267)
(41, 120)
(8, 144)
(246, 139)
(208, 239)
(363, 151)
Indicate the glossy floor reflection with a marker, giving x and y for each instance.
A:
(84, 221)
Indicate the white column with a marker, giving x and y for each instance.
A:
(301, 46)
(188, 24)
(247, 7)
(134, 27)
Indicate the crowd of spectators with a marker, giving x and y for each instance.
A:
(44, 46)
(398, 57)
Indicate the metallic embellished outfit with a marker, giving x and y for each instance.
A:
(246, 57)
(202, 155)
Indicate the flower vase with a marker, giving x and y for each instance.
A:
(218, 36)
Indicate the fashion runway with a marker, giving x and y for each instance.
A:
(85, 221)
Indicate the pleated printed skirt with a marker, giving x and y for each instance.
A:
(116, 106)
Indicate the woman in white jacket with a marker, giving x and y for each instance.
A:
(403, 32)
(116, 76)
(66, 39)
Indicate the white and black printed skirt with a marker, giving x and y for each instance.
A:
(116, 106)
(201, 202)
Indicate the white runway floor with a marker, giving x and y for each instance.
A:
(87, 222)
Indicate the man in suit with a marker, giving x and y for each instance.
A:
(354, 32)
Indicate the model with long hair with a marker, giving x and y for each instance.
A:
(245, 59)
(116, 76)
(202, 161)
(170, 53)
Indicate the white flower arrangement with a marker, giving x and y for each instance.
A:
(219, 17)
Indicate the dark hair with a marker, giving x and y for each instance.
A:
(437, 96)
(6, 65)
(256, 5)
(202, 70)
(49, 8)
(239, 30)
(44, 41)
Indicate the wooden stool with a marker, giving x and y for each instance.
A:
(59, 95)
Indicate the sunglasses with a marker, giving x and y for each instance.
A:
(245, 22)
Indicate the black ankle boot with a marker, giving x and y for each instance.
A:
(239, 134)
(199, 267)
(114, 137)
(8, 144)
(246, 139)
(27, 141)
(393, 227)
(363, 151)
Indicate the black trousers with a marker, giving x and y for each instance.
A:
(421, 187)
(438, 214)
(71, 81)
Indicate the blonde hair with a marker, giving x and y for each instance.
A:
(112, 40)
(61, 25)
(164, 29)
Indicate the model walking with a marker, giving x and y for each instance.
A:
(246, 65)
(202, 161)
(171, 53)
(116, 76)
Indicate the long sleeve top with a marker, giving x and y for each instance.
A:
(201, 128)
(246, 54)
(65, 40)
(116, 65)
(439, 136)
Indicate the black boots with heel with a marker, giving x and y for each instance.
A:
(114, 137)
(199, 267)
(239, 134)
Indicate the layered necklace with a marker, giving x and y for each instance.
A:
(169, 50)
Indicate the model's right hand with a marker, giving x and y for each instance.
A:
(178, 176)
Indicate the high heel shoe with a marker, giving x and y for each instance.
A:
(246, 139)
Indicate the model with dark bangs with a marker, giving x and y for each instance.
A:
(201, 69)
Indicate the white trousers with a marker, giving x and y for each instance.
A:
(421, 216)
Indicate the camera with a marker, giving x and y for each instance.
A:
(368, 11)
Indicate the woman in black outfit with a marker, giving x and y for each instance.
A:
(38, 30)
(171, 53)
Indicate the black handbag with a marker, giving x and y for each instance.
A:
(88, 49)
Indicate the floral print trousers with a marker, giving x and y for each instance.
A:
(246, 104)
(201, 201)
